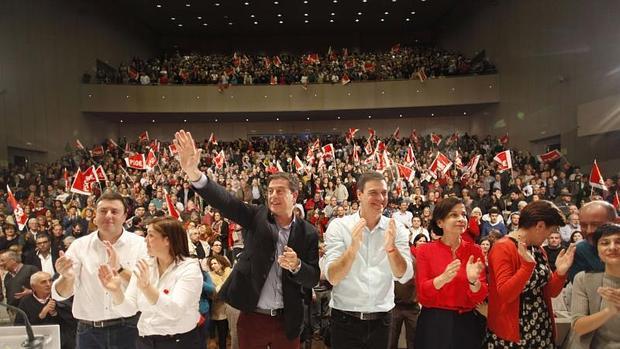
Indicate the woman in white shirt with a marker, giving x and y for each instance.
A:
(165, 288)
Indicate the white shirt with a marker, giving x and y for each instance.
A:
(92, 302)
(46, 263)
(176, 309)
(403, 217)
(369, 285)
(420, 230)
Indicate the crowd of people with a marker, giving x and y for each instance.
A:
(268, 227)
(337, 66)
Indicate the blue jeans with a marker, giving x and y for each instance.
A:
(113, 337)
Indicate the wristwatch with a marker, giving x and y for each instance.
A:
(120, 269)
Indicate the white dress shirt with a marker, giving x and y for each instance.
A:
(46, 263)
(92, 302)
(369, 285)
(176, 309)
(403, 217)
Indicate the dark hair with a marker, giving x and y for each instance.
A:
(493, 209)
(418, 237)
(220, 259)
(367, 177)
(603, 231)
(441, 211)
(541, 210)
(293, 181)
(572, 236)
(173, 230)
(110, 195)
(43, 236)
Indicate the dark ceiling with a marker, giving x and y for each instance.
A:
(205, 18)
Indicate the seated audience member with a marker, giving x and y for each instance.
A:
(416, 229)
(553, 248)
(43, 257)
(494, 222)
(595, 301)
(575, 237)
(17, 278)
(10, 237)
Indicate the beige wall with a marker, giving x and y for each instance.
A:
(46, 46)
(365, 95)
(552, 57)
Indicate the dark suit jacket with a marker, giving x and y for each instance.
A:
(31, 258)
(15, 284)
(242, 289)
(181, 195)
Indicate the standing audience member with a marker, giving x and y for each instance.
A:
(365, 253)
(521, 283)
(219, 270)
(44, 256)
(450, 281)
(165, 289)
(596, 296)
(553, 248)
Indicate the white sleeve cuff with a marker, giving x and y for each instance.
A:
(201, 183)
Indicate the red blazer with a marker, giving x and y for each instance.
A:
(508, 274)
(431, 260)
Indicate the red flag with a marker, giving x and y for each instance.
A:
(310, 155)
(151, 160)
(316, 145)
(395, 48)
(616, 201)
(79, 145)
(313, 58)
(144, 136)
(414, 136)
(90, 175)
(97, 151)
(453, 139)
(351, 134)
(470, 168)
(435, 139)
(441, 163)
(368, 67)
(380, 148)
(271, 169)
(396, 134)
(328, 150)
(596, 178)
(276, 61)
(349, 64)
(345, 79)
(410, 157)
(368, 148)
(371, 133)
(504, 159)
(127, 149)
(356, 155)
(219, 160)
(173, 149)
(79, 185)
(111, 144)
(101, 176)
(279, 167)
(406, 172)
(504, 139)
(457, 160)
(549, 156)
(299, 166)
(212, 139)
(136, 161)
(20, 218)
(236, 60)
(154, 145)
(172, 211)
(273, 80)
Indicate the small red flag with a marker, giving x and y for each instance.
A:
(596, 178)
(504, 159)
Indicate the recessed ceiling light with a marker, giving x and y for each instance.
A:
(331, 21)
(279, 15)
(382, 20)
(247, 119)
(432, 114)
(199, 17)
(205, 24)
(277, 119)
(180, 25)
(153, 120)
(364, 0)
(184, 120)
(306, 21)
(246, 3)
(359, 13)
(335, 1)
(305, 15)
(188, 5)
(158, 5)
(172, 18)
(217, 4)
(229, 23)
(357, 20)
(275, 2)
(413, 12)
(339, 118)
(305, 1)
(280, 22)
(121, 121)
(307, 118)
(407, 19)
(464, 113)
(255, 22)
(387, 13)
(370, 116)
(252, 16)
(333, 14)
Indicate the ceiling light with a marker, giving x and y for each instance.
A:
(188, 5)
(205, 24)
(306, 21)
(184, 120)
(305, 1)
(364, 0)
(229, 23)
(407, 19)
(331, 21)
(432, 114)
(333, 14)
(252, 16)
(158, 5)
(401, 115)
(307, 118)
(153, 120)
(279, 15)
(246, 3)
(387, 13)
(464, 113)
(281, 22)
(277, 119)
(275, 2)
(413, 12)
(339, 118)
(305, 15)
(359, 13)
(172, 18)
(121, 121)
(255, 22)
(217, 4)
(382, 20)
(335, 1)
(199, 17)
(357, 20)
(370, 116)
(180, 25)
(215, 120)
(247, 119)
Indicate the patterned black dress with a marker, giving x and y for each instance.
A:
(535, 325)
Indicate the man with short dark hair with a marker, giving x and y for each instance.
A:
(43, 257)
(553, 248)
(279, 265)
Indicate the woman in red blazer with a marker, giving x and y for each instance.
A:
(450, 282)
(521, 283)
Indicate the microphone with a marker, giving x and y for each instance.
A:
(33, 342)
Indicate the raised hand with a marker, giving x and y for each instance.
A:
(189, 155)
(525, 254)
(288, 259)
(142, 274)
(473, 269)
(612, 296)
(109, 278)
(390, 236)
(565, 260)
(64, 266)
(112, 255)
(357, 234)
(450, 272)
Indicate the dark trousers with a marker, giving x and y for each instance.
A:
(257, 331)
(407, 314)
(349, 332)
(447, 329)
(113, 337)
(221, 326)
(187, 340)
